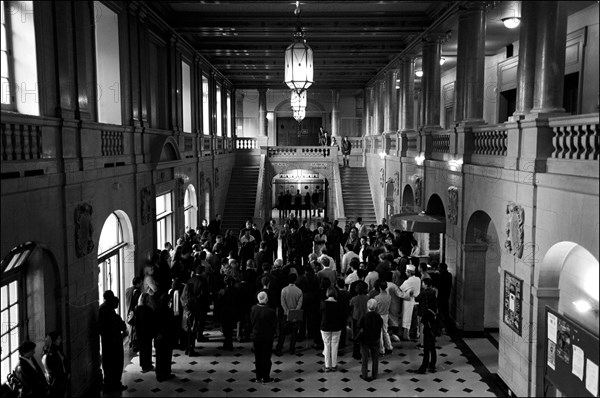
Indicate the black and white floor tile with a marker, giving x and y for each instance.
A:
(231, 373)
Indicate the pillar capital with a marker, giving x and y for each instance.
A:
(437, 38)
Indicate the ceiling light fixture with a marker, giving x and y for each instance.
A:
(511, 22)
(299, 114)
(419, 73)
(442, 61)
(298, 100)
(298, 59)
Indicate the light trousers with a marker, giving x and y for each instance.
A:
(384, 341)
(331, 340)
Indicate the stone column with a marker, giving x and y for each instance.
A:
(550, 58)
(407, 95)
(262, 112)
(431, 82)
(376, 105)
(470, 64)
(392, 101)
(335, 105)
(380, 106)
(527, 50)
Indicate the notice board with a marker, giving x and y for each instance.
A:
(571, 356)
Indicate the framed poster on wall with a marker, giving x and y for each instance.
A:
(513, 300)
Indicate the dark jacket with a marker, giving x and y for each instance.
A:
(145, 322)
(371, 324)
(427, 300)
(264, 322)
(332, 316)
(32, 378)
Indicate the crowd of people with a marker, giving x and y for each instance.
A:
(358, 286)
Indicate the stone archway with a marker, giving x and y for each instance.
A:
(478, 304)
(408, 199)
(568, 272)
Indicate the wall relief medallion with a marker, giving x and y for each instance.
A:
(418, 191)
(382, 177)
(146, 205)
(84, 242)
(515, 219)
(453, 204)
(180, 185)
(397, 183)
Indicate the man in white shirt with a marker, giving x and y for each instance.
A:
(347, 258)
(353, 277)
(410, 289)
(291, 299)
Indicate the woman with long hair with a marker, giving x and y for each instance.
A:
(56, 365)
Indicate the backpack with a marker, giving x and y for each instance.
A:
(436, 324)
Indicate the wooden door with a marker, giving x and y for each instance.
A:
(290, 133)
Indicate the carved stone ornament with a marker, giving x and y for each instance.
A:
(146, 203)
(84, 242)
(217, 177)
(418, 191)
(515, 218)
(453, 204)
(382, 177)
(397, 183)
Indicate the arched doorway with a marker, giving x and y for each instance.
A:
(408, 199)
(389, 199)
(30, 300)
(569, 273)
(481, 282)
(116, 266)
(435, 242)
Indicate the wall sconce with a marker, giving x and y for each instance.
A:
(419, 73)
(511, 22)
(382, 155)
(584, 306)
(455, 164)
(420, 159)
(442, 61)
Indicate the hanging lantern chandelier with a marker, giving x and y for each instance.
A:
(298, 59)
(298, 100)
(299, 114)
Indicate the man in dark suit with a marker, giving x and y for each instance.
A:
(29, 372)
(264, 323)
(112, 329)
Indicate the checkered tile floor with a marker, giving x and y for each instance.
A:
(231, 373)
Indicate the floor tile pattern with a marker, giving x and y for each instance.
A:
(216, 372)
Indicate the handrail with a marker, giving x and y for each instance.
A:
(259, 204)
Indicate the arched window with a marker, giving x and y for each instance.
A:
(190, 208)
(111, 259)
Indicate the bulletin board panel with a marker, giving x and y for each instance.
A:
(571, 356)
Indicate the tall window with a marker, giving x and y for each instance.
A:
(19, 63)
(190, 208)
(229, 114)
(186, 97)
(111, 256)
(164, 219)
(205, 107)
(12, 308)
(219, 112)
(108, 76)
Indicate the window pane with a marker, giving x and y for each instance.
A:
(4, 296)
(14, 316)
(5, 91)
(5, 368)
(160, 204)
(3, 43)
(205, 114)
(168, 202)
(4, 326)
(219, 112)
(109, 236)
(12, 293)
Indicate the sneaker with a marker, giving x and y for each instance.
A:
(268, 380)
(334, 369)
(325, 369)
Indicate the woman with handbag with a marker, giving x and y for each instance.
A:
(370, 326)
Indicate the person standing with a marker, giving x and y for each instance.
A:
(228, 308)
(371, 325)
(112, 329)
(427, 311)
(145, 328)
(163, 343)
(409, 290)
(291, 299)
(315, 203)
(307, 205)
(298, 203)
(288, 203)
(29, 372)
(444, 288)
(264, 322)
(320, 240)
(384, 301)
(346, 149)
(281, 205)
(56, 364)
(132, 295)
(331, 328)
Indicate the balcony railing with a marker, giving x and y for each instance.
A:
(575, 138)
(304, 152)
(441, 142)
(21, 141)
(245, 143)
(490, 140)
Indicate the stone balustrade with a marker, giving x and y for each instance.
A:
(206, 145)
(21, 141)
(575, 138)
(301, 152)
(490, 140)
(245, 143)
(441, 142)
